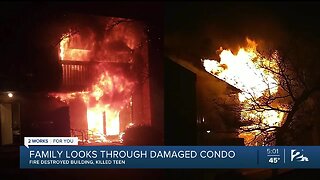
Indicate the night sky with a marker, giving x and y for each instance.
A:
(196, 30)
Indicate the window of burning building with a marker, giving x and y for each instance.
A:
(104, 69)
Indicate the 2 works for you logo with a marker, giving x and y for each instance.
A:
(50, 141)
(298, 156)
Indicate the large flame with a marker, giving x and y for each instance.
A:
(107, 98)
(243, 70)
(96, 117)
(104, 100)
(111, 90)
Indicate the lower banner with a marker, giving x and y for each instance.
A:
(169, 157)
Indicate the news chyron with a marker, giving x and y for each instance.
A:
(65, 152)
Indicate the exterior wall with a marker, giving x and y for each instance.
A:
(6, 124)
(43, 116)
(180, 105)
(216, 105)
(78, 115)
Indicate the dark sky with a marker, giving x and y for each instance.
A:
(195, 30)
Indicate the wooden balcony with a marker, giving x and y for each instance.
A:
(75, 75)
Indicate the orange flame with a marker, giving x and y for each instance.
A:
(108, 95)
(64, 45)
(70, 49)
(95, 120)
(243, 71)
(104, 101)
(114, 43)
(107, 98)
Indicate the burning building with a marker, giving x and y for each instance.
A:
(101, 71)
(105, 74)
(256, 79)
(246, 93)
(242, 92)
(193, 98)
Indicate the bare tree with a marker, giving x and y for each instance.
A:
(294, 84)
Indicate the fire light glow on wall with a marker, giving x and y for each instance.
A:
(243, 71)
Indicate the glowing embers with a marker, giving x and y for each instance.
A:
(252, 74)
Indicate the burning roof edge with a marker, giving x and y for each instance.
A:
(202, 72)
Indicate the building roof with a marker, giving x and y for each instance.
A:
(204, 75)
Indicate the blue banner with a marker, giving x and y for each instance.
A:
(170, 157)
